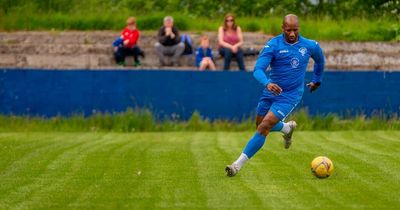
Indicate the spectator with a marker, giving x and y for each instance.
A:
(169, 42)
(126, 45)
(204, 57)
(230, 40)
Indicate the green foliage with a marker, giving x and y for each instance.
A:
(196, 123)
(138, 120)
(251, 26)
(325, 20)
(338, 9)
(386, 32)
(334, 122)
(151, 22)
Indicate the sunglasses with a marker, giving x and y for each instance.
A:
(229, 20)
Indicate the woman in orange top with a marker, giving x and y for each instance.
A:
(230, 40)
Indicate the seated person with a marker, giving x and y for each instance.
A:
(204, 57)
(230, 40)
(169, 42)
(126, 45)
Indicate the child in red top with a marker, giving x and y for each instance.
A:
(130, 36)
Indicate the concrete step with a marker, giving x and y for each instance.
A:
(93, 61)
(93, 50)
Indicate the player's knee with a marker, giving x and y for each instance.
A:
(264, 127)
(257, 124)
(259, 119)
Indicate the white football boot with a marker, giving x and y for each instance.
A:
(231, 170)
(288, 137)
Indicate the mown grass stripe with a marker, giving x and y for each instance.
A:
(177, 174)
(51, 177)
(185, 170)
(117, 187)
(280, 169)
(14, 149)
(54, 198)
(32, 164)
(213, 152)
(354, 165)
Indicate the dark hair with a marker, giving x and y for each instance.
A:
(234, 26)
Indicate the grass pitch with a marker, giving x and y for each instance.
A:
(185, 170)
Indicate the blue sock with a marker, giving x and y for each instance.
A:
(278, 126)
(254, 145)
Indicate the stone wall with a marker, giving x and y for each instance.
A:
(92, 50)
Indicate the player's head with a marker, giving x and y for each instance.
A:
(291, 28)
(168, 21)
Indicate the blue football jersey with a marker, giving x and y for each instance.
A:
(288, 65)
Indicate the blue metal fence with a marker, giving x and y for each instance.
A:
(228, 95)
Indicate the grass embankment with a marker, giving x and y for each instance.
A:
(185, 170)
(355, 29)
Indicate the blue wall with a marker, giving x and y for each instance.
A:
(231, 95)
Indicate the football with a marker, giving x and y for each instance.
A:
(322, 167)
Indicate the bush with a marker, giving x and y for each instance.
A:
(27, 17)
(153, 22)
(251, 26)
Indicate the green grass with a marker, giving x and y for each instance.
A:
(354, 29)
(184, 170)
(354, 21)
(139, 120)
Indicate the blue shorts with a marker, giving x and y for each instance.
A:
(280, 108)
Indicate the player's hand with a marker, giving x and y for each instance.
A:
(126, 42)
(274, 88)
(313, 86)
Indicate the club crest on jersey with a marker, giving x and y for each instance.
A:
(303, 51)
(294, 62)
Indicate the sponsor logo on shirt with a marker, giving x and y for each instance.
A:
(303, 51)
(283, 51)
(266, 46)
(294, 62)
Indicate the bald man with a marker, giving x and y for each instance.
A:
(287, 54)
